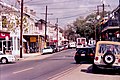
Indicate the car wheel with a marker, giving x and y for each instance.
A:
(77, 62)
(95, 68)
(4, 60)
(109, 59)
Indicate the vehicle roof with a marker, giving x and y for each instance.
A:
(108, 42)
(86, 47)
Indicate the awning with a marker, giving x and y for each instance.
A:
(110, 27)
(23, 40)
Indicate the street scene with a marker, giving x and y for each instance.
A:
(59, 40)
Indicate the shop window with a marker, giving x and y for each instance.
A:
(4, 22)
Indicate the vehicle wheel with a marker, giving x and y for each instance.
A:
(77, 61)
(95, 69)
(4, 60)
(108, 59)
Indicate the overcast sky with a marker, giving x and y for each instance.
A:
(65, 10)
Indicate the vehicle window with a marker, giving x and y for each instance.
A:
(48, 47)
(104, 48)
(83, 50)
(90, 50)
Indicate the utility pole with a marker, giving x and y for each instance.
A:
(103, 10)
(95, 25)
(46, 26)
(46, 13)
(21, 28)
(102, 18)
(119, 20)
(57, 30)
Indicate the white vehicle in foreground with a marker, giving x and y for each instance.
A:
(6, 58)
(107, 56)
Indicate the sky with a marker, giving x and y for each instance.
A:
(65, 10)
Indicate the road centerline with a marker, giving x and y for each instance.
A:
(22, 70)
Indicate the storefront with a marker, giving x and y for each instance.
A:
(34, 43)
(111, 33)
(5, 42)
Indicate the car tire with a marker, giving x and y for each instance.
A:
(77, 62)
(4, 60)
(109, 58)
(95, 69)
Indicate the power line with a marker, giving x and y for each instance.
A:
(46, 3)
(70, 16)
(28, 1)
(73, 7)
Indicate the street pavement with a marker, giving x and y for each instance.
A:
(32, 56)
(82, 71)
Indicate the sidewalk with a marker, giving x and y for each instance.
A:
(27, 56)
(32, 56)
(81, 73)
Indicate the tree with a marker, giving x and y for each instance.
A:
(70, 33)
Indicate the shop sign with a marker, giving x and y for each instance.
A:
(4, 35)
(33, 39)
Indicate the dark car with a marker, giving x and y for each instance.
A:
(54, 48)
(85, 54)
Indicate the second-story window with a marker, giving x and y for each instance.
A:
(4, 22)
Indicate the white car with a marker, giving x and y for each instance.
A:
(48, 49)
(6, 58)
(72, 45)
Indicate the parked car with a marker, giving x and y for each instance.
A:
(72, 45)
(6, 58)
(107, 56)
(61, 48)
(48, 49)
(66, 46)
(54, 48)
(84, 54)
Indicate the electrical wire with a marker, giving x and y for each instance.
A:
(71, 16)
(28, 1)
(74, 7)
(47, 3)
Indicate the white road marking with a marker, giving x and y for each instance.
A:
(22, 70)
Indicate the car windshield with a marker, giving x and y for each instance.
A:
(104, 48)
(48, 47)
(85, 50)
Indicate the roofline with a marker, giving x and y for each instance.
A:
(108, 42)
(4, 31)
(110, 27)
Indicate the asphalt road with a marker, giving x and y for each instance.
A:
(38, 69)
(58, 66)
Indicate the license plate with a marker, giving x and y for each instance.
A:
(82, 54)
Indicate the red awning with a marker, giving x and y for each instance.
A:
(54, 41)
(3, 35)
